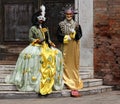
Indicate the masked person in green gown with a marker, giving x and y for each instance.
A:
(39, 66)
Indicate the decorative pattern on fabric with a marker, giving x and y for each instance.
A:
(48, 70)
(66, 26)
(38, 68)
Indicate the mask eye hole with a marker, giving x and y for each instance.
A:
(69, 14)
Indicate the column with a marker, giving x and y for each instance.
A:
(85, 19)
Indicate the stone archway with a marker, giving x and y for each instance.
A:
(85, 18)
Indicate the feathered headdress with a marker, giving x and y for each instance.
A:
(42, 16)
(42, 8)
(69, 8)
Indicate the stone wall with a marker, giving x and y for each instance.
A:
(107, 41)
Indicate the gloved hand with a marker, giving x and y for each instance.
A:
(40, 41)
(52, 44)
(72, 30)
(69, 38)
(72, 34)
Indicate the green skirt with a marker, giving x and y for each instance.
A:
(31, 74)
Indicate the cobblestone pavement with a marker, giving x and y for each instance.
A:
(112, 97)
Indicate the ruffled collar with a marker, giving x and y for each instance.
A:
(71, 22)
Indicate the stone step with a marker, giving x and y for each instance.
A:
(7, 87)
(54, 94)
(3, 76)
(92, 82)
(4, 73)
(11, 48)
(8, 56)
(84, 74)
(6, 69)
(10, 52)
(87, 83)
(6, 62)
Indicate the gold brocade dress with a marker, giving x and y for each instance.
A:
(48, 69)
(71, 54)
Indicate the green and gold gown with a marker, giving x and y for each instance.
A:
(39, 67)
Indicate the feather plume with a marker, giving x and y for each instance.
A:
(42, 7)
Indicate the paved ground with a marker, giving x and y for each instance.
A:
(112, 97)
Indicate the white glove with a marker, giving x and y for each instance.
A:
(69, 38)
(72, 30)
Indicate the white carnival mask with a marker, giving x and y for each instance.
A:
(41, 18)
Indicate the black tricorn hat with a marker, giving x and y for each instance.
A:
(39, 15)
(34, 18)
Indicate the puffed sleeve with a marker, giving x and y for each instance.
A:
(78, 32)
(31, 34)
(59, 34)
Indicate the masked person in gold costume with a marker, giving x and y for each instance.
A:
(69, 34)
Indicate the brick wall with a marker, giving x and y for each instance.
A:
(107, 41)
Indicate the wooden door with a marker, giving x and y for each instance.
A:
(17, 19)
(53, 15)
